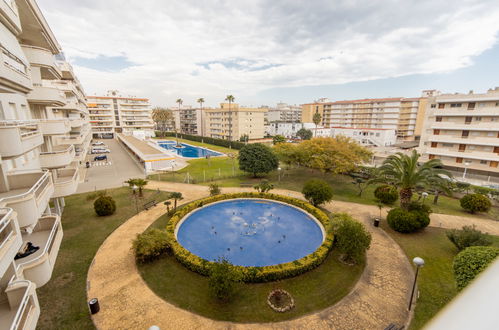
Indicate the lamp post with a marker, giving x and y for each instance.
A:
(424, 194)
(134, 188)
(279, 172)
(418, 262)
(466, 164)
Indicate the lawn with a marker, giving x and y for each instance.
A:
(199, 144)
(436, 279)
(312, 291)
(63, 298)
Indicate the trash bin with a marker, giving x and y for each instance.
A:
(376, 222)
(94, 306)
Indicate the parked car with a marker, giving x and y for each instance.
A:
(100, 150)
(100, 157)
(98, 143)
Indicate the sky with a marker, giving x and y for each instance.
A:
(264, 52)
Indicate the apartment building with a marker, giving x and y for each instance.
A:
(368, 137)
(462, 130)
(289, 130)
(114, 113)
(189, 120)
(44, 134)
(231, 122)
(399, 114)
(284, 112)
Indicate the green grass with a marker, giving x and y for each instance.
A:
(199, 144)
(312, 291)
(63, 298)
(436, 280)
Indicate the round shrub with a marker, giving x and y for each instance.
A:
(351, 237)
(150, 245)
(405, 221)
(317, 192)
(386, 194)
(475, 203)
(472, 261)
(104, 205)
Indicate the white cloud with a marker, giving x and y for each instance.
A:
(194, 49)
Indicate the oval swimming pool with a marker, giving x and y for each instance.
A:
(250, 232)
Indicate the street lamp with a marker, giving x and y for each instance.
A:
(134, 188)
(424, 194)
(466, 164)
(418, 262)
(279, 172)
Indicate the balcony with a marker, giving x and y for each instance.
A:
(45, 95)
(10, 238)
(77, 122)
(9, 12)
(76, 138)
(468, 154)
(66, 182)
(19, 308)
(47, 235)
(43, 58)
(473, 126)
(21, 136)
(458, 139)
(55, 126)
(61, 156)
(28, 195)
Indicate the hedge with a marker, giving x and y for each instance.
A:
(253, 274)
(472, 261)
(218, 142)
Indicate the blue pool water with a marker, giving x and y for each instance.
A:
(250, 232)
(188, 150)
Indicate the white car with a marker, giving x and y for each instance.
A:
(98, 143)
(100, 151)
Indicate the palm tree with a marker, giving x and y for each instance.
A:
(177, 196)
(201, 101)
(139, 183)
(404, 172)
(317, 120)
(179, 101)
(230, 99)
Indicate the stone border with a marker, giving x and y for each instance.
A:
(280, 309)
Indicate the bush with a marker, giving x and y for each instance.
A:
(95, 194)
(407, 221)
(104, 205)
(386, 194)
(351, 238)
(150, 245)
(253, 274)
(472, 261)
(475, 203)
(257, 159)
(223, 280)
(214, 189)
(317, 192)
(264, 186)
(468, 236)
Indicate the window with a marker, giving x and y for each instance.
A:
(468, 120)
(438, 118)
(493, 119)
(436, 132)
(491, 134)
(377, 134)
(434, 144)
(472, 147)
(433, 106)
(441, 105)
(481, 105)
(459, 160)
(462, 147)
(465, 134)
(478, 118)
(455, 105)
(483, 162)
(448, 145)
(471, 105)
(431, 156)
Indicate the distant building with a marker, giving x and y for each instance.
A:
(113, 113)
(289, 130)
(368, 137)
(231, 122)
(462, 130)
(284, 113)
(189, 120)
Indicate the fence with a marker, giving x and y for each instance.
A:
(207, 175)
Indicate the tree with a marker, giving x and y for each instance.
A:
(287, 153)
(104, 205)
(317, 192)
(257, 159)
(201, 101)
(163, 118)
(472, 261)
(361, 184)
(214, 189)
(230, 99)
(468, 236)
(264, 186)
(475, 203)
(278, 139)
(223, 280)
(244, 138)
(317, 120)
(332, 154)
(304, 134)
(179, 101)
(403, 171)
(351, 237)
(167, 203)
(386, 194)
(139, 183)
(177, 196)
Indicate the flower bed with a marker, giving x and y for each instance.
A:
(253, 274)
(280, 300)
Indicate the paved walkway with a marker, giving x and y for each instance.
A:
(379, 298)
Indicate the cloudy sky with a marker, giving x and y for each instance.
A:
(264, 51)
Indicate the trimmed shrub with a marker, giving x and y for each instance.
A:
(386, 194)
(104, 205)
(150, 245)
(405, 221)
(466, 237)
(472, 261)
(253, 274)
(351, 237)
(475, 203)
(317, 192)
(214, 189)
(223, 280)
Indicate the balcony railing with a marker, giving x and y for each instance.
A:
(57, 158)
(46, 95)
(66, 182)
(10, 237)
(44, 59)
(21, 299)
(55, 126)
(22, 136)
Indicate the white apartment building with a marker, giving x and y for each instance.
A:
(44, 135)
(231, 122)
(368, 137)
(113, 114)
(289, 130)
(462, 130)
(284, 112)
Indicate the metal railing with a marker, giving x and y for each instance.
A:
(36, 189)
(24, 308)
(67, 150)
(4, 223)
